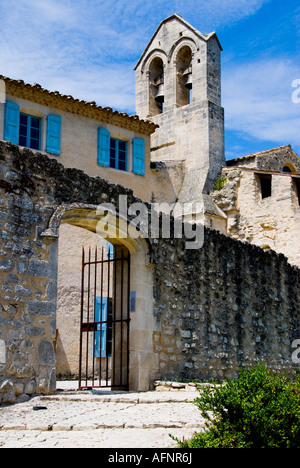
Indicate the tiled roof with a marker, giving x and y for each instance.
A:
(67, 103)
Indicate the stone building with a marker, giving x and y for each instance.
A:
(160, 311)
(178, 87)
(259, 195)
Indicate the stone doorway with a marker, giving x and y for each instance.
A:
(75, 231)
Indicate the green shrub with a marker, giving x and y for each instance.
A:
(258, 410)
(220, 182)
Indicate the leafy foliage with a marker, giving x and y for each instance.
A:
(258, 410)
(219, 184)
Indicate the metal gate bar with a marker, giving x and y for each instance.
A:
(105, 320)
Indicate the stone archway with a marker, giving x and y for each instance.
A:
(142, 365)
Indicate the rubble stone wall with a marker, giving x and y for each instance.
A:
(226, 306)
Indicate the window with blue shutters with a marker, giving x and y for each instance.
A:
(138, 156)
(111, 151)
(26, 130)
(21, 129)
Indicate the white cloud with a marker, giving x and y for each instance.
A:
(51, 10)
(88, 48)
(258, 100)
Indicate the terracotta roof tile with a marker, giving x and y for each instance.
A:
(68, 103)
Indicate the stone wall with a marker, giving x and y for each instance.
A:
(28, 268)
(228, 305)
(214, 309)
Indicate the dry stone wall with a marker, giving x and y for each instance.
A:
(226, 306)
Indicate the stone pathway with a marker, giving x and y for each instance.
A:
(92, 419)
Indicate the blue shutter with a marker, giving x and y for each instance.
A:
(103, 147)
(12, 122)
(110, 250)
(100, 339)
(53, 134)
(138, 163)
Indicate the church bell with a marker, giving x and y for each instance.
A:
(189, 82)
(160, 97)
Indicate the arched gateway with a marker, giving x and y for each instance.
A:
(116, 309)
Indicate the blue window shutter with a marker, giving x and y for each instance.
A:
(138, 163)
(110, 250)
(103, 147)
(100, 339)
(53, 134)
(12, 122)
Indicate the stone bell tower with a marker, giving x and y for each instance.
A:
(178, 87)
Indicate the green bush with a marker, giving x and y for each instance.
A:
(258, 410)
(220, 182)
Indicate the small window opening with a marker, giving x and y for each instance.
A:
(289, 168)
(297, 184)
(265, 185)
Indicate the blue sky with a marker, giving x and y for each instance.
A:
(88, 49)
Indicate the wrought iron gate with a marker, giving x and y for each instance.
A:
(105, 319)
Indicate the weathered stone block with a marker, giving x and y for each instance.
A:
(6, 386)
(46, 353)
(40, 269)
(30, 387)
(43, 308)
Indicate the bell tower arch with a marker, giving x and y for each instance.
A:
(178, 87)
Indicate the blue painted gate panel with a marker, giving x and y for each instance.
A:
(101, 333)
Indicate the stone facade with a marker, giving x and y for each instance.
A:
(28, 268)
(32, 187)
(79, 136)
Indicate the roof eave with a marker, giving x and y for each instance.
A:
(67, 103)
